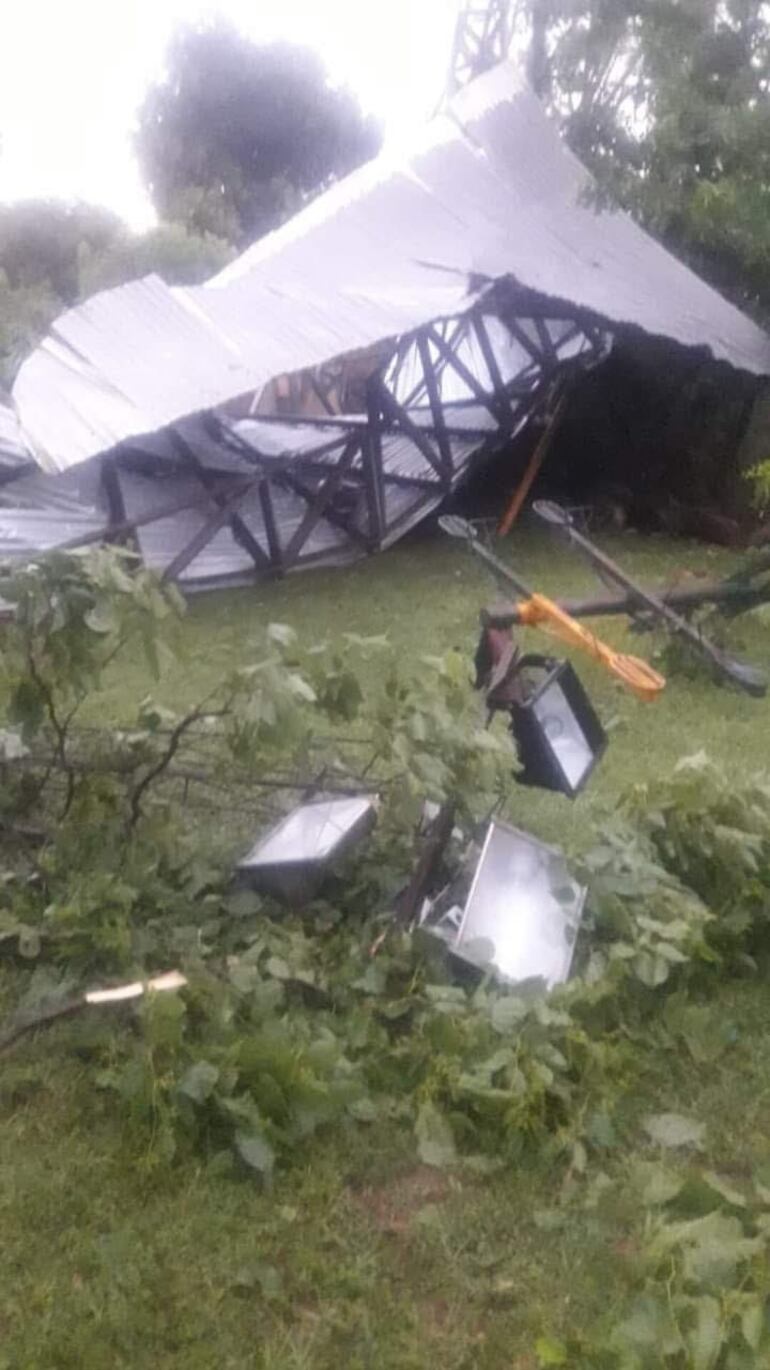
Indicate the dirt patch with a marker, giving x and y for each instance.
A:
(393, 1206)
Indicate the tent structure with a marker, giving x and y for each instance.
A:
(339, 379)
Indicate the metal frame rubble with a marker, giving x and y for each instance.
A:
(337, 381)
(267, 495)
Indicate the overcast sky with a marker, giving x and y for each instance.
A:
(72, 73)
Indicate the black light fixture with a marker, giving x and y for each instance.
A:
(521, 914)
(558, 733)
(291, 861)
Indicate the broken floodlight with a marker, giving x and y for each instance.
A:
(291, 860)
(557, 731)
(522, 912)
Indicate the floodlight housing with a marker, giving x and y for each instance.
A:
(522, 913)
(558, 733)
(292, 859)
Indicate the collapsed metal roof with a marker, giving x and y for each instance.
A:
(489, 189)
(335, 383)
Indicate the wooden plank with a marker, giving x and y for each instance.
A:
(265, 495)
(489, 402)
(163, 511)
(436, 408)
(240, 529)
(393, 410)
(319, 500)
(114, 495)
(546, 341)
(330, 514)
(488, 353)
(371, 455)
(533, 467)
(458, 332)
(204, 535)
(514, 327)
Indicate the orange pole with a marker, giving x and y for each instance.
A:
(535, 462)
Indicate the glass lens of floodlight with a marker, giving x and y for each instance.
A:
(522, 910)
(566, 738)
(310, 833)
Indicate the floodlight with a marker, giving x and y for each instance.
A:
(558, 733)
(292, 859)
(522, 912)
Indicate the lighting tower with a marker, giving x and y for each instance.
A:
(483, 37)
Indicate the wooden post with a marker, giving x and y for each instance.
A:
(533, 467)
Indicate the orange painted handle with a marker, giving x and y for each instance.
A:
(631, 671)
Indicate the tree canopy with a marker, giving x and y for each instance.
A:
(667, 102)
(237, 136)
(52, 255)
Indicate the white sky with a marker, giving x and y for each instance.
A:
(73, 72)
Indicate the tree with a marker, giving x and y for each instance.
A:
(26, 313)
(53, 255)
(40, 242)
(667, 102)
(170, 250)
(236, 137)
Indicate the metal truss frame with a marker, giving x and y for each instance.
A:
(483, 37)
(435, 381)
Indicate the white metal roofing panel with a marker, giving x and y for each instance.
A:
(489, 188)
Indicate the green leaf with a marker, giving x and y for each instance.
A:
(278, 968)
(507, 1013)
(256, 1151)
(243, 903)
(27, 706)
(435, 1141)
(706, 1337)
(550, 1352)
(363, 1110)
(102, 618)
(11, 746)
(29, 943)
(648, 1327)
(674, 1130)
(724, 1189)
(299, 687)
(600, 1131)
(753, 1322)
(260, 1275)
(658, 1186)
(199, 1081)
(281, 634)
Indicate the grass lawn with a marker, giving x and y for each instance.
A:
(359, 1257)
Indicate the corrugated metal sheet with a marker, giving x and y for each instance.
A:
(223, 559)
(39, 513)
(489, 188)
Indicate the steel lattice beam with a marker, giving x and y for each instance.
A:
(483, 37)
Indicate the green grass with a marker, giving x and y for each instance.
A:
(359, 1257)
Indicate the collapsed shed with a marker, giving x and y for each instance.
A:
(338, 380)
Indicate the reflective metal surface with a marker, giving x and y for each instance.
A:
(290, 861)
(523, 910)
(565, 736)
(310, 833)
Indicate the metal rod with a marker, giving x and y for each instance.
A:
(741, 673)
(507, 615)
